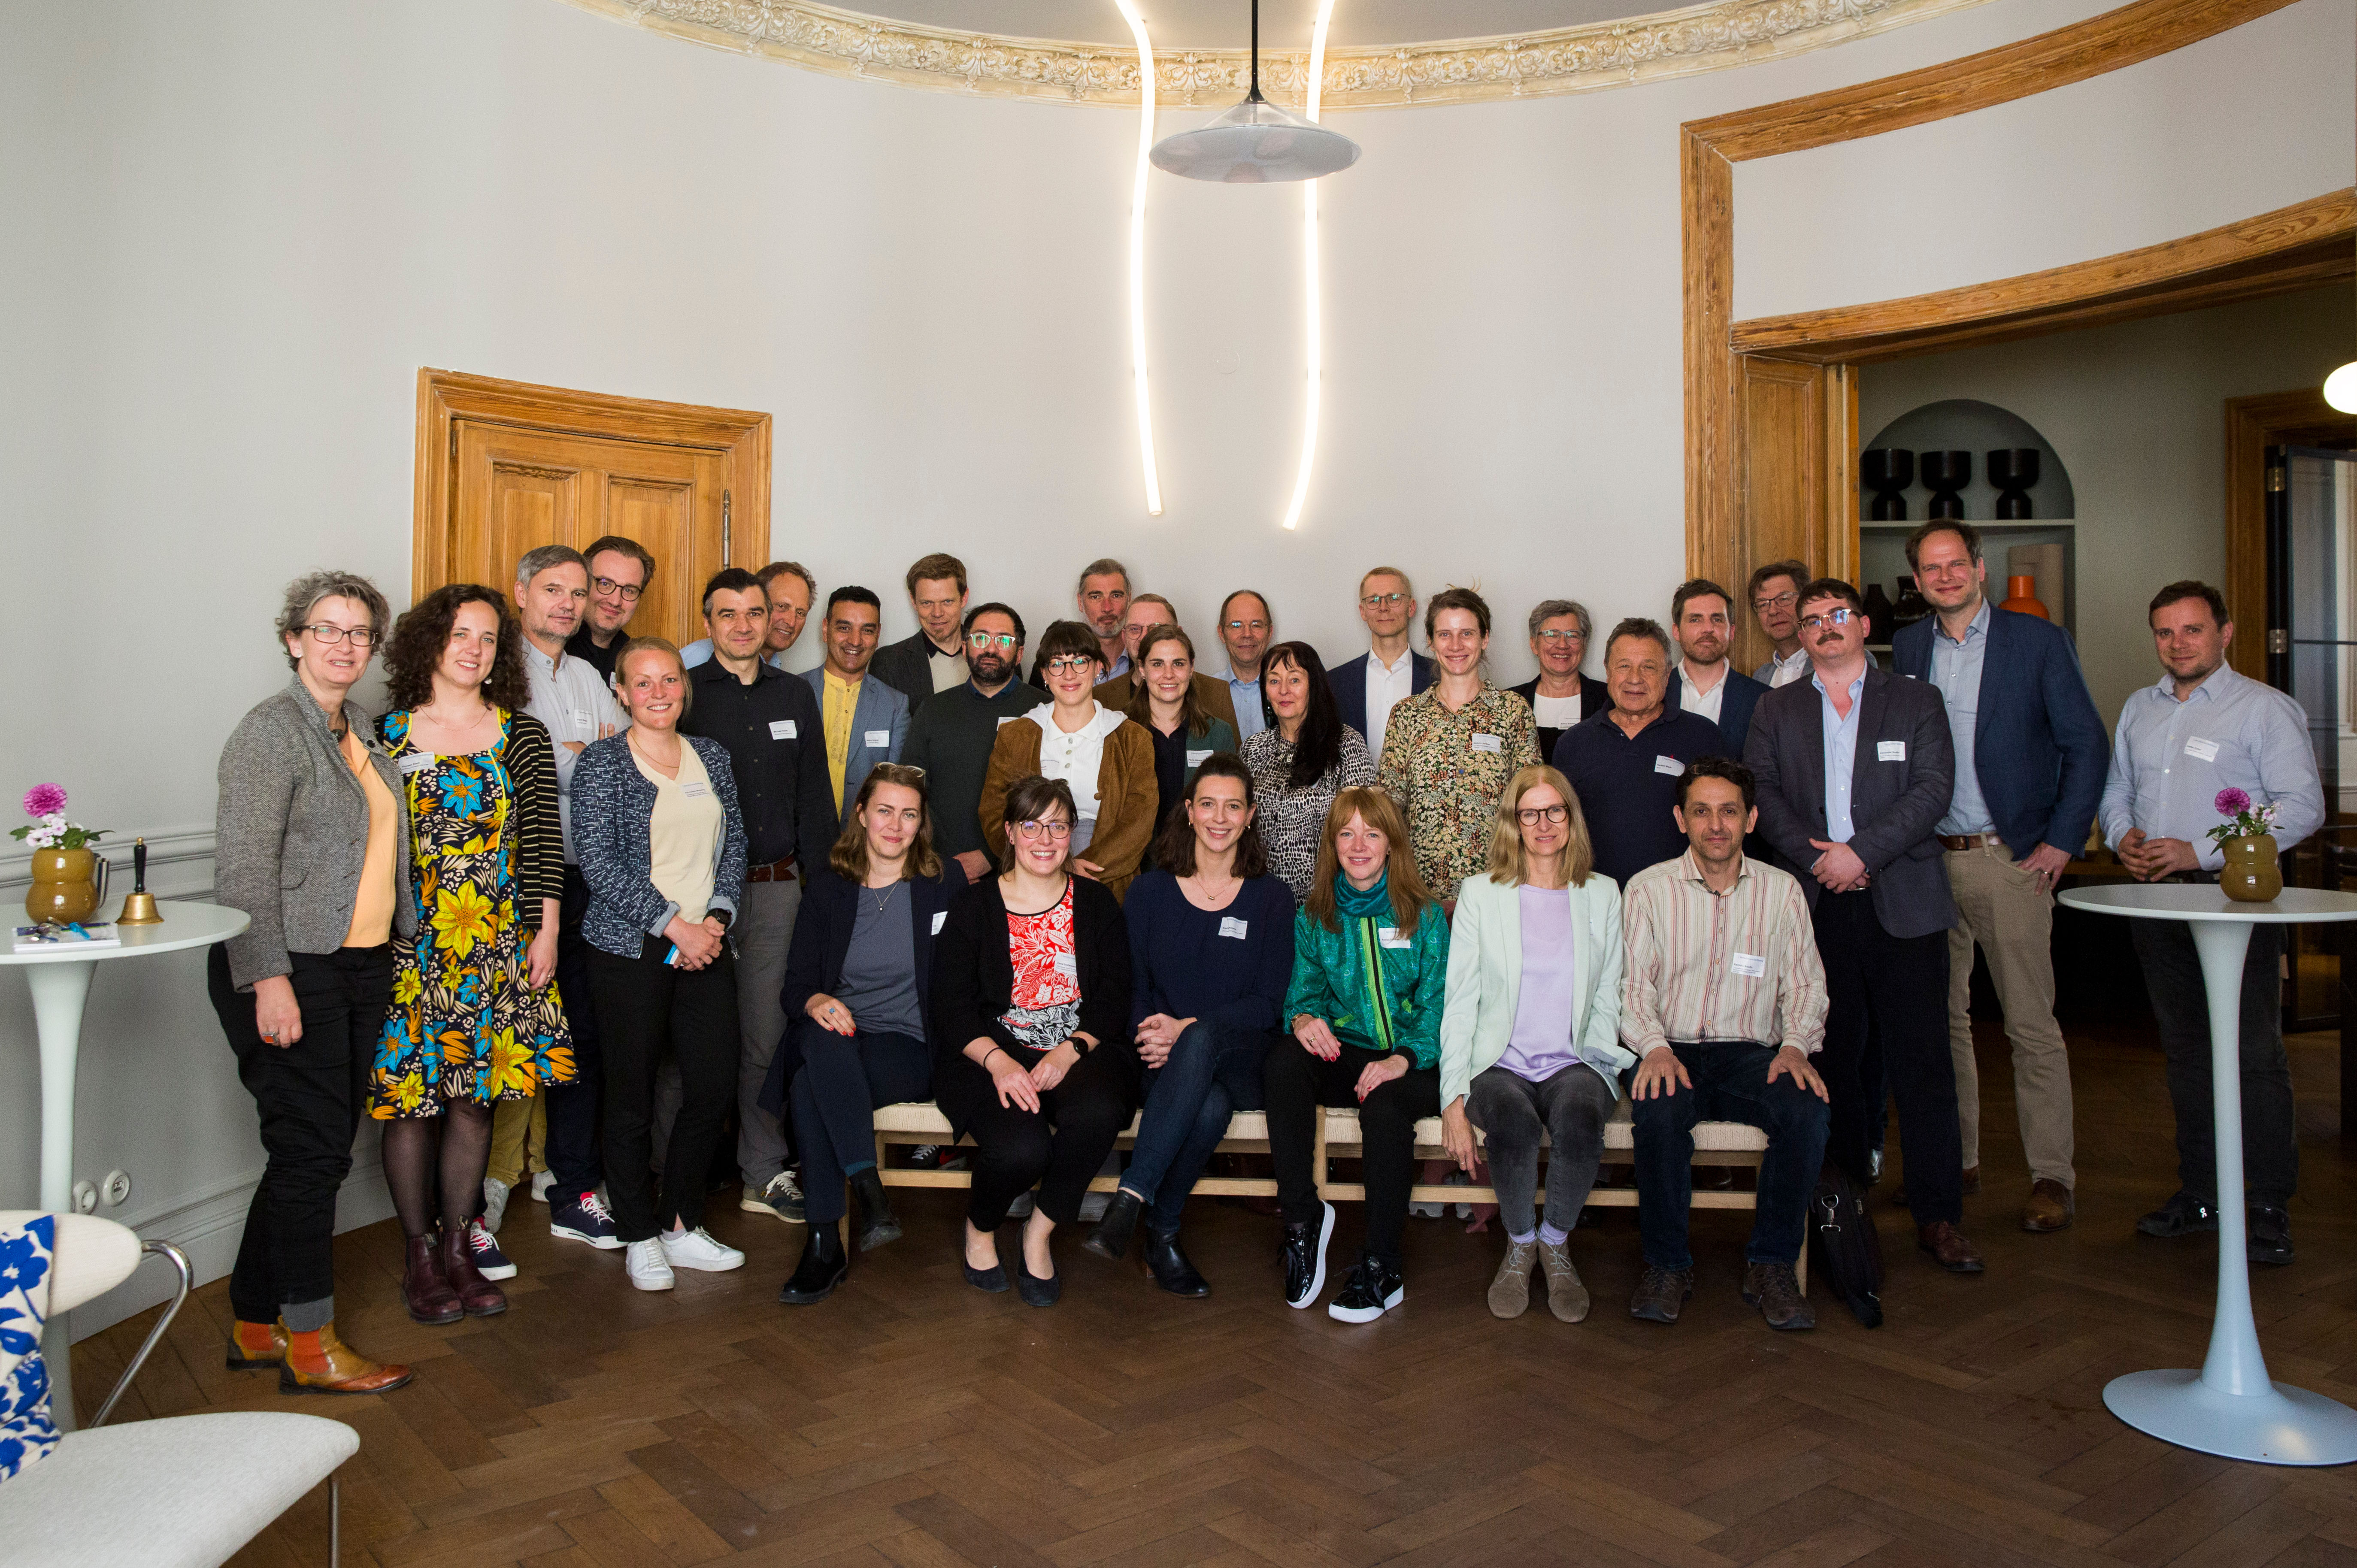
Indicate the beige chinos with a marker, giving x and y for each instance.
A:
(2003, 908)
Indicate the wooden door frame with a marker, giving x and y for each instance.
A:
(2297, 418)
(445, 397)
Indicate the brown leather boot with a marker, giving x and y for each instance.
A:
(477, 1295)
(320, 1363)
(423, 1288)
(255, 1347)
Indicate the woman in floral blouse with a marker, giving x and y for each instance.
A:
(1305, 756)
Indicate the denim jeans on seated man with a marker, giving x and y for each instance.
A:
(1730, 1084)
(1570, 1106)
(1212, 1072)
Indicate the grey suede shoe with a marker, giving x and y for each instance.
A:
(1510, 1293)
(1567, 1297)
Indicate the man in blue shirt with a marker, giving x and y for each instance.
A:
(1245, 628)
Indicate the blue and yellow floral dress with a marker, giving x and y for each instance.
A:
(466, 1023)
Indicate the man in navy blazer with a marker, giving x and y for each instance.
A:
(1387, 604)
(1702, 619)
(1854, 768)
(2030, 760)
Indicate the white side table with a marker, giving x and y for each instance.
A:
(60, 980)
(2230, 1407)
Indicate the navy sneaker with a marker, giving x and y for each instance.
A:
(490, 1262)
(582, 1219)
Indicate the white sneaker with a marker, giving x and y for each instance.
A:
(541, 1183)
(646, 1265)
(1092, 1206)
(697, 1250)
(495, 1202)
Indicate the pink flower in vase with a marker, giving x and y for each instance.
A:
(2232, 802)
(44, 800)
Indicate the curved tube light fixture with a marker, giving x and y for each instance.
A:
(1138, 252)
(1256, 142)
(1314, 355)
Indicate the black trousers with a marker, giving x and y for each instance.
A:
(311, 1096)
(573, 1107)
(1296, 1083)
(2181, 1002)
(1894, 990)
(645, 1007)
(1058, 1147)
(843, 1080)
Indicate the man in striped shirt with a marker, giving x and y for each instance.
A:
(1723, 1002)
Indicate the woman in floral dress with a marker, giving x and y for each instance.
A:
(476, 1017)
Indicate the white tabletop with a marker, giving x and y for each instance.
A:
(187, 924)
(2203, 901)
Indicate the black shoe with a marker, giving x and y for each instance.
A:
(1034, 1290)
(2266, 1236)
(2182, 1215)
(877, 1223)
(1372, 1290)
(992, 1279)
(1305, 1257)
(1660, 1294)
(1110, 1239)
(825, 1264)
(1169, 1266)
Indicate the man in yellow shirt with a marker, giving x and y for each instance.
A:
(866, 721)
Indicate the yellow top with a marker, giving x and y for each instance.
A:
(839, 702)
(373, 910)
(683, 836)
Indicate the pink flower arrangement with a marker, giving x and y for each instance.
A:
(46, 803)
(2243, 820)
(2231, 802)
(45, 800)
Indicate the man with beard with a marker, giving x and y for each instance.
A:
(1702, 617)
(1104, 601)
(951, 735)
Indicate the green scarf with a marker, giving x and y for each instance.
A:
(1371, 911)
(1374, 904)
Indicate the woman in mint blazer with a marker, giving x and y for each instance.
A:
(1529, 1034)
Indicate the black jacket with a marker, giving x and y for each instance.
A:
(1594, 698)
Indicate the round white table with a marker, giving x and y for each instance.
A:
(60, 980)
(2229, 1408)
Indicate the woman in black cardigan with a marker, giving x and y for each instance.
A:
(1030, 1013)
(858, 977)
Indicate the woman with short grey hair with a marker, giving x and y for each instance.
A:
(311, 842)
(1561, 695)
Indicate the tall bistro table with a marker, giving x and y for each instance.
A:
(2230, 1408)
(60, 980)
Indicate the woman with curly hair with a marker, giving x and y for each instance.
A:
(476, 1017)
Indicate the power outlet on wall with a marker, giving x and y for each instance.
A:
(116, 1188)
(85, 1197)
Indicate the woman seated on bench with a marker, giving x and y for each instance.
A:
(1030, 1013)
(856, 979)
(1211, 949)
(1530, 1040)
(1369, 965)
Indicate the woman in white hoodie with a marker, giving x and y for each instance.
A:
(1530, 1035)
(1105, 760)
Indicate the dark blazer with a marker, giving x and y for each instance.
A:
(1743, 694)
(830, 910)
(2039, 747)
(1894, 805)
(1594, 698)
(1348, 680)
(906, 666)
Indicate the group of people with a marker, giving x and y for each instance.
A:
(600, 892)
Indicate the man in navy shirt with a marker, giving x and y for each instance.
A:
(1626, 761)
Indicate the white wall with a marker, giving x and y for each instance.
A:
(2137, 412)
(238, 229)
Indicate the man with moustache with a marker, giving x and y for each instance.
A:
(951, 735)
(1245, 627)
(1702, 617)
(1145, 612)
(790, 589)
(933, 660)
(1853, 770)
(1104, 600)
(1625, 762)
(620, 571)
(865, 722)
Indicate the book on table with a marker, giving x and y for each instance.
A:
(71, 934)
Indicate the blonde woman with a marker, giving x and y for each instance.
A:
(1530, 1042)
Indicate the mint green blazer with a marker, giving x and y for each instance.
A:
(1485, 979)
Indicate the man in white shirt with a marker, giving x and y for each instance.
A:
(1367, 688)
(1246, 626)
(1774, 593)
(1702, 619)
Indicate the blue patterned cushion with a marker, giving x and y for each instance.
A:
(25, 1430)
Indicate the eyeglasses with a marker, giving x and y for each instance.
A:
(1247, 626)
(1780, 602)
(982, 639)
(630, 591)
(1382, 601)
(1562, 636)
(1070, 664)
(1532, 816)
(328, 635)
(1831, 618)
(1054, 831)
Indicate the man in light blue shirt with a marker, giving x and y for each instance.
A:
(2201, 729)
(1841, 758)
(1245, 627)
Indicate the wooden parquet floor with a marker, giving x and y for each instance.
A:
(912, 1421)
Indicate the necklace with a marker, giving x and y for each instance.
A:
(884, 896)
(1216, 898)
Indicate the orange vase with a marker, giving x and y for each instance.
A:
(2021, 594)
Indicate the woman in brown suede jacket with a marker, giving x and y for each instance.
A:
(1106, 759)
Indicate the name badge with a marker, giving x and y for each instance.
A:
(1067, 966)
(416, 762)
(1389, 936)
(581, 717)
(1232, 926)
(1890, 751)
(941, 918)
(1487, 742)
(882, 738)
(1671, 766)
(2201, 750)
(1005, 719)
(784, 729)
(1751, 963)
(695, 790)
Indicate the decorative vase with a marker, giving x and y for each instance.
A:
(1888, 471)
(1946, 473)
(2021, 594)
(1912, 606)
(2254, 871)
(2013, 469)
(65, 885)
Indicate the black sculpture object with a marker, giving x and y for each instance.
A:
(2013, 469)
(1888, 471)
(1946, 473)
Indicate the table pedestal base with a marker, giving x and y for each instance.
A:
(2288, 1426)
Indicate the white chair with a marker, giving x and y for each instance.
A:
(183, 1491)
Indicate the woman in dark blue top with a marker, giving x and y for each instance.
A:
(1211, 940)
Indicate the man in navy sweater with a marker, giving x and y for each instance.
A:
(2030, 758)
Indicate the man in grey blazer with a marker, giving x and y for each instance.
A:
(865, 721)
(1855, 767)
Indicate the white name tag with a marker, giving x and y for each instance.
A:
(1389, 936)
(784, 729)
(581, 717)
(1197, 758)
(2200, 749)
(695, 790)
(416, 762)
(1751, 963)
(882, 738)
(1005, 719)
(1890, 751)
(941, 918)
(1671, 766)
(1232, 926)
(1067, 966)
(1487, 742)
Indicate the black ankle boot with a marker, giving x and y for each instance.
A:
(1169, 1266)
(822, 1267)
(878, 1224)
(1111, 1237)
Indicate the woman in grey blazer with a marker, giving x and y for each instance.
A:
(310, 841)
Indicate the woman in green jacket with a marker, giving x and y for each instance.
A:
(1370, 972)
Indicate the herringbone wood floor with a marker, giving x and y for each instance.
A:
(912, 1421)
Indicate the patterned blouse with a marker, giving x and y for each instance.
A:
(1045, 1001)
(1447, 771)
(1291, 819)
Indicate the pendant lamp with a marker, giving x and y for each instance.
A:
(1255, 142)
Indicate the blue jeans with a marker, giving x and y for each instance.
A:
(1730, 1084)
(1212, 1071)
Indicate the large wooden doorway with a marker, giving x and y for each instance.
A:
(504, 466)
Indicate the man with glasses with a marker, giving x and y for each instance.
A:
(950, 736)
(1245, 627)
(933, 660)
(620, 571)
(1855, 769)
(790, 590)
(1626, 759)
(1367, 688)
(1775, 596)
(1562, 693)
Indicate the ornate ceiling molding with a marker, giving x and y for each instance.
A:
(1709, 36)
